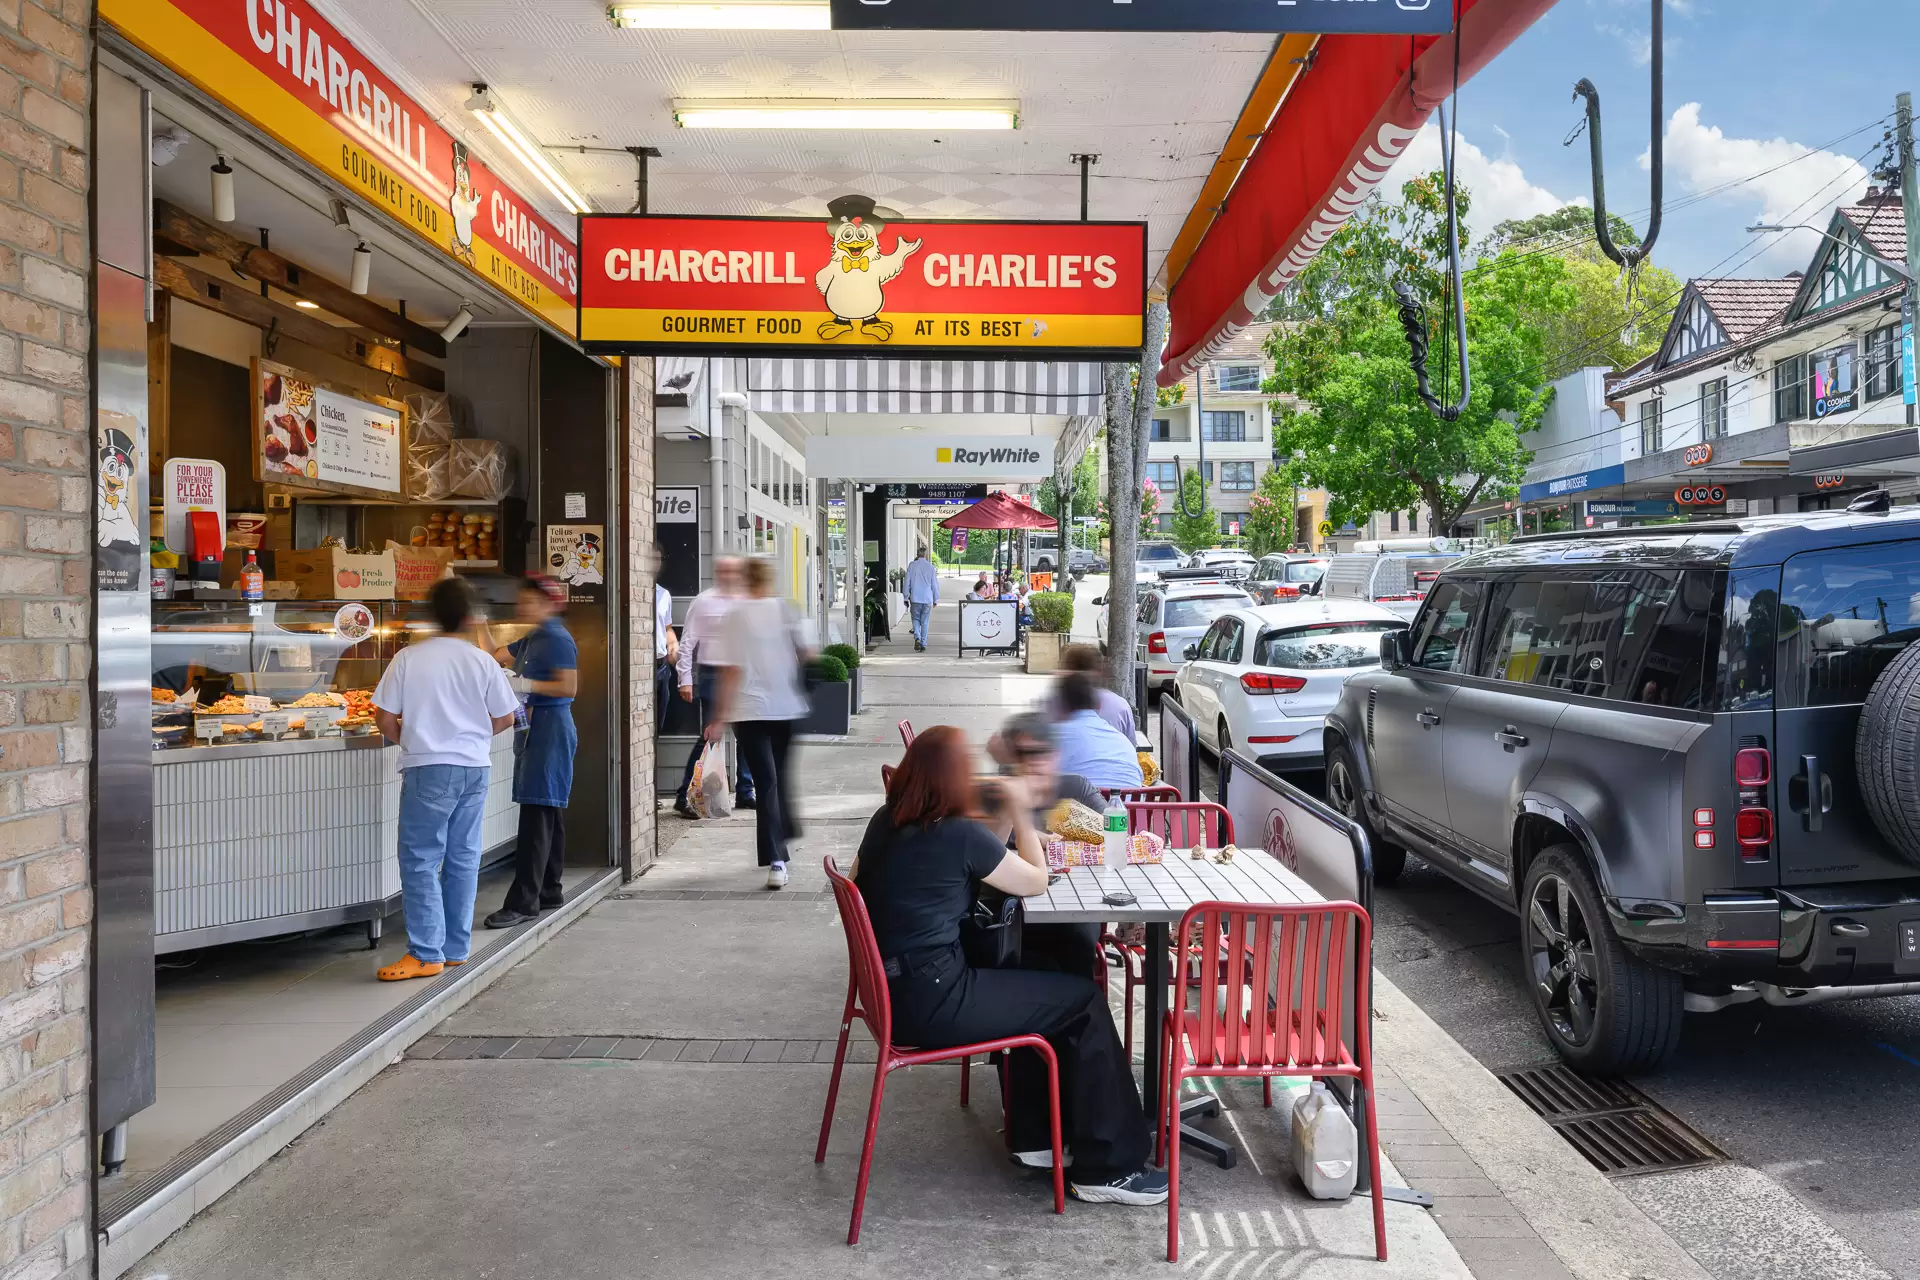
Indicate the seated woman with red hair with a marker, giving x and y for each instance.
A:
(941, 835)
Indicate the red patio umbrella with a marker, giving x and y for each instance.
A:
(998, 511)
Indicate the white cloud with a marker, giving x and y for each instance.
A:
(1701, 157)
(1501, 190)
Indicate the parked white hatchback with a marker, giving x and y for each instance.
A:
(1262, 680)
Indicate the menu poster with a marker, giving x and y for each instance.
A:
(310, 435)
(576, 556)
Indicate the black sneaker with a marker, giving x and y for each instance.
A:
(748, 801)
(1142, 1187)
(553, 905)
(505, 918)
(685, 810)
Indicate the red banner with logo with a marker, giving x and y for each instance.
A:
(281, 66)
(859, 280)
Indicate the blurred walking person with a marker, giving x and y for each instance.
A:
(760, 694)
(706, 617)
(548, 660)
(923, 592)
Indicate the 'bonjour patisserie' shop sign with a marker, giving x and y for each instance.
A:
(280, 65)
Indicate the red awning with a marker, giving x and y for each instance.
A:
(1332, 141)
(998, 511)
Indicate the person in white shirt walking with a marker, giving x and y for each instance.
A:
(706, 620)
(761, 695)
(443, 699)
(923, 592)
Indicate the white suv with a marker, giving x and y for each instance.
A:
(1173, 616)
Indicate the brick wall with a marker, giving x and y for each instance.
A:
(45, 620)
(640, 545)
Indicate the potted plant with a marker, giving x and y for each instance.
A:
(1052, 623)
(850, 658)
(831, 712)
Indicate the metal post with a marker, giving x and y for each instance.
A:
(1910, 206)
(1086, 162)
(641, 156)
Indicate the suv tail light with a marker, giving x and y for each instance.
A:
(1753, 821)
(1752, 768)
(1261, 682)
(1157, 642)
(1753, 828)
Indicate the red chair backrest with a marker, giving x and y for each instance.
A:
(1273, 992)
(886, 776)
(906, 733)
(1160, 793)
(1183, 824)
(863, 955)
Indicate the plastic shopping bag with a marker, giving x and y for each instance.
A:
(709, 793)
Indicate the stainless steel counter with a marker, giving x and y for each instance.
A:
(283, 747)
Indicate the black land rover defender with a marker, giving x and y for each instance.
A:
(1687, 757)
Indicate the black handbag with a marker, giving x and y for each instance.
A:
(990, 931)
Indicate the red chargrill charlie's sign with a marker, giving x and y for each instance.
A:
(861, 279)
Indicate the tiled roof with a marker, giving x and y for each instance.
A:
(1744, 307)
(1246, 347)
(1881, 223)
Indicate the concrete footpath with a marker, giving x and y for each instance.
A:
(641, 1098)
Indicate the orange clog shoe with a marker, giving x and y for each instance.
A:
(408, 967)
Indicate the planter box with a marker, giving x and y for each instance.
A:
(831, 715)
(1043, 651)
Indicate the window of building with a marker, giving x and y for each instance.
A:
(1236, 477)
(1713, 409)
(1237, 377)
(1885, 377)
(1790, 389)
(1831, 381)
(1225, 425)
(1162, 429)
(1164, 475)
(1206, 471)
(1650, 432)
(1230, 522)
(1393, 522)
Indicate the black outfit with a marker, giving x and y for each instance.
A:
(1064, 948)
(763, 753)
(918, 883)
(539, 859)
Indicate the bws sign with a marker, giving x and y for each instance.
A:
(862, 280)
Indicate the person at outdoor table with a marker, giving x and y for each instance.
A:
(921, 863)
(923, 592)
(760, 651)
(698, 676)
(548, 660)
(1085, 660)
(1024, 747)
(1089, 746)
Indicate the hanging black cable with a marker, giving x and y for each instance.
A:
(1632, 256)
(1413, 313)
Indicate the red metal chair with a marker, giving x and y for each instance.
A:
(1182, 824)
(869, 1000)
(886, 777)
(1277, 1013)
(1160, 792)
(906, 733)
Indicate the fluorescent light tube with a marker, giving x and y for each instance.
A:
(737, 15)
(933, 115)
(534, 159)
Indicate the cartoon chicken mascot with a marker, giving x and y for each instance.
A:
(463, 204)
(582, 566)
(854, 279)
(117, 536)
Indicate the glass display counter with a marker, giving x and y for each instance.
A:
(276, 801)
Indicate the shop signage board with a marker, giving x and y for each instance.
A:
(576, 556)
(188, 485)
(281, 66)
(1376, 17)
(927, 510)
(861, 281)
(934, 492)
(311, 436)
(932, 455)
(1598, 478)
(1648, 509)
(1906, 349)
(676, 531)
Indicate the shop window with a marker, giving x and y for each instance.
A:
(1790, 389)
(1236, 477)
(1885, 376)
(1650, 431)
(1227, 426)
(1713, 409)
(1237, 377)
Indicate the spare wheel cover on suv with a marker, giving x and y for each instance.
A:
(1886, 750)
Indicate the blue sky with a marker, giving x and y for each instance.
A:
(1750, 84)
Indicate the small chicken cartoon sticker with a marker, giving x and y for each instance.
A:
(854, 280)
(463, 204)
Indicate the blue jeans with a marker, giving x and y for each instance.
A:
(440, 808)
(922, 614)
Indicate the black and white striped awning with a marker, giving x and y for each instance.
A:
(925, 386)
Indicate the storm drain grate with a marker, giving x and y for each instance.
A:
(1621, 1131)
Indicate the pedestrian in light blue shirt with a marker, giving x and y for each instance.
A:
(923, 592)
(1088, 745)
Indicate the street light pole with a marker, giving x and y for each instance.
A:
(1910, 206)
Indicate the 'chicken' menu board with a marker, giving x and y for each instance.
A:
(309, 435)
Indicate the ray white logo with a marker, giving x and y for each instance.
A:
(984, 457)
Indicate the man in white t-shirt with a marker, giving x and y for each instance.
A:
(443, 699)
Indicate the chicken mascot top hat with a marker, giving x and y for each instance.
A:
(854, 279)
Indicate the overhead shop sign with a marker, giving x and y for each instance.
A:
(282, 67)
(862, 281)
(930, 456)
(1393, 17)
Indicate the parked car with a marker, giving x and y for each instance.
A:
(1396, 574)
(1263, 679)
(1285, 576)
(1683, 757)
(1229, 562)
(1085, 560)
(1172, 616)
(1151, 558)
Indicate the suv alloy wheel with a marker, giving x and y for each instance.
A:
(1605, 1010)
(1343, 790)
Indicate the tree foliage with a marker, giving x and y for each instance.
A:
(1194, 532)
(1361, 432)
(1085, 492)
(1269, 525)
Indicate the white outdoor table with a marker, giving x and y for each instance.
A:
(1162, 893)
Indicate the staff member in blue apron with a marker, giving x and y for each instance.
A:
(548, 661)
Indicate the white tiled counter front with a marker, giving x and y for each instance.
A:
(274, 837)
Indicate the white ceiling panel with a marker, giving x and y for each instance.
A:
(1155, 107)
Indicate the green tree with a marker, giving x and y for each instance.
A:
(1362, 432)
(1192, 532)
(1269, 521)
(1086, 488)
